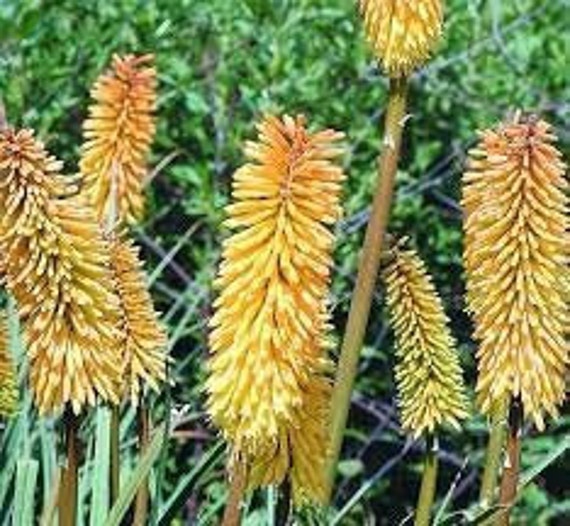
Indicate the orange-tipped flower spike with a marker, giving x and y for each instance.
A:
(144, 339)
(56, 266)
(301, 449)
(428, 374)
(8, 383)
(117, 137)
(270, 320)
(403, 33)
(516, 258)
(309, 440)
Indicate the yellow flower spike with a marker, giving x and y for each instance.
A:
(8, 381)
(57, 268)
(269, 321)
(118, 135)
(144, 337)
(516, 256)
(310, 444)
(403, 33)
(428, 374)
(301, 449)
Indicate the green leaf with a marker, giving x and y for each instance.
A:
(136, 478)
(48, 449)
(530, 474)
(188, 483)
(26, 477)
(101, 467)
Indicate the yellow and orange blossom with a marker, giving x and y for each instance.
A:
(431, 390)
(268, 338)
(8, 381)
(516, 258)
(143, 337)
(57, 268)
(403, 33)
(301, 449)
(117, 137)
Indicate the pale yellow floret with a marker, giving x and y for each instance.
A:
(117, 137)
(431, 391)
(8, 380)
(270, 322)
(56, 266)
(403, 33)
(300, 451)
(143, 342)
(516, 258)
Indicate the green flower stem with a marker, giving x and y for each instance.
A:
(493, 456)
(238, 477)
(68, 488)
(510, 478)
(429, 483)
(115, 422)
(367, 273)
(142, 499)
(115, 471)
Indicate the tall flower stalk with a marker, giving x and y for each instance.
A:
(402, 35)
(493, 455)
(268, 387)
(117, 139)
(516, 255)
(431, 391)
(67, 502)
(428, 487)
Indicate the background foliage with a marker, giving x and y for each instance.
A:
(221, 65)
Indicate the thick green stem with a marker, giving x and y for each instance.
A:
(238, 477)
(68, 489)
(494, 455)
(510, 479)
(142, 500)
(115, 423)
(367, 273)
(114, 438)
(429, 483)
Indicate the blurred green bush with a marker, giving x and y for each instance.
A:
(224, 63)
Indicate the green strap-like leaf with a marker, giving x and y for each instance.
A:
(138, 476)
(530, 474)
(188, 483)
(101, 468)
(26, 477)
